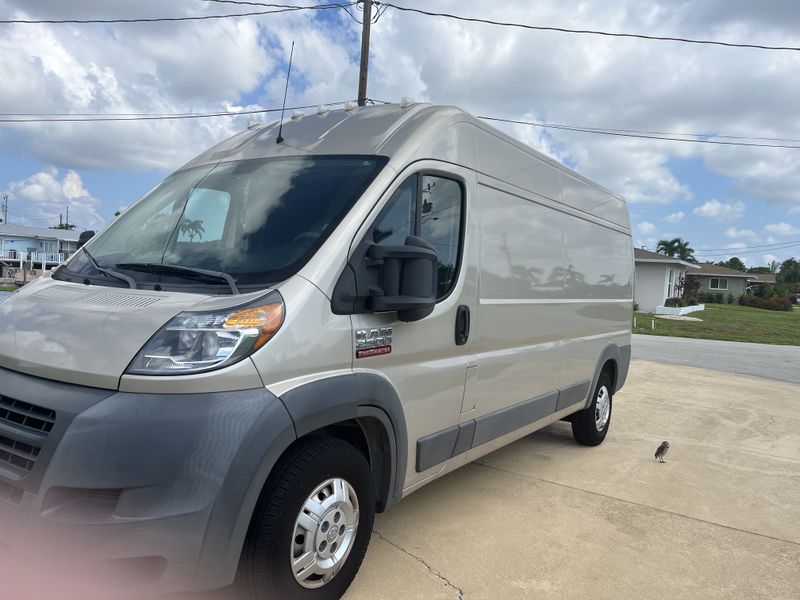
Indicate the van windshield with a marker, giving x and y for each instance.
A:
(258, 221)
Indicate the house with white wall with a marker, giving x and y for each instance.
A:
(657, 277)
(41, 247)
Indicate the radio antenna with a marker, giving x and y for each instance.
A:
(285, 92)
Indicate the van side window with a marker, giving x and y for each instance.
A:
(429, 207)
(399, 219)
(440, 226)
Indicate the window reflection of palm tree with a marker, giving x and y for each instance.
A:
(192, 228)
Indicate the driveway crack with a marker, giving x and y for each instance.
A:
(459, 593)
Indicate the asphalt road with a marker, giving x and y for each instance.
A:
(762, 360)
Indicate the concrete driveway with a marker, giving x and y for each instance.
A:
(546, 518)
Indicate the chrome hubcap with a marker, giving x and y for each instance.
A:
(324, 533)
(602, 408)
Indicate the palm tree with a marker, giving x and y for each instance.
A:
(676, 248)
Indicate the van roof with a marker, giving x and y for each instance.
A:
(360, 131)
(385, 129)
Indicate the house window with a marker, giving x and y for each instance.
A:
(718, 283)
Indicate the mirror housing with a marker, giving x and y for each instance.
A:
(390, 278)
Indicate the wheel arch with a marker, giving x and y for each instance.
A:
(365, 404)
(615, 359)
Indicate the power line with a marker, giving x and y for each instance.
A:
(277, 8)
(763, 246)
(91, 118)
(645, 136)
(588, 31)
(346, 8)
(736, 252)
(651, 135)
(627, 133)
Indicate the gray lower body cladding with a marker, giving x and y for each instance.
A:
(443, 445)
(163, 483)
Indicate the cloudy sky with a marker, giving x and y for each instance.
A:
(725, 200)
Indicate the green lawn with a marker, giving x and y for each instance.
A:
(730, 322)
(7, 288)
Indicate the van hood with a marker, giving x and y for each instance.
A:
(86, 335)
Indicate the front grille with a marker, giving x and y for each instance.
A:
(23, 430)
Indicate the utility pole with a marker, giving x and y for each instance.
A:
(5, 209)
(362, 74)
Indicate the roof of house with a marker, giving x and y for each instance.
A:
(641, 255)
(712, 269)
(763, 277)
(39, 232)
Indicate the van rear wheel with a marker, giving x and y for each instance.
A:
(590, 426)
(312, 525)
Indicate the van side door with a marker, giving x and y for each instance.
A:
(425, 360)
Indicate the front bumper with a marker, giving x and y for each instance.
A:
(158, 488)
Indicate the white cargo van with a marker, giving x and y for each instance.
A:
(283, 338)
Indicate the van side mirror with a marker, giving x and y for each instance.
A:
(388, 278)
(84, 237)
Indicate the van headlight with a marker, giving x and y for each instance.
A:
(194, 342)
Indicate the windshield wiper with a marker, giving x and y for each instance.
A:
(119, 276)
(179, 270)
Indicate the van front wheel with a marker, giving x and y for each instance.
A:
(590, 426)
(312, 525)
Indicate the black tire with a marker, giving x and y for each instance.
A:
(584, 423)
(265, 571)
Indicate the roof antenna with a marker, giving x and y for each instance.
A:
(285, 92)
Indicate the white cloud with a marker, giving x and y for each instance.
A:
(795, 210)
(675, 217)
(782, 229)
(769, 258)
(43, 198)
(720, 212)
(735, 246)
(747, 234)
(209, 65)
(645, 228)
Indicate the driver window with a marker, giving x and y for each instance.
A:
(435, 215)
(399, 218)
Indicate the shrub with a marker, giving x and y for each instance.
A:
(674, 302)
(731, 299)
(719, 298)
(763, 291)
(690, 290)
(635, 307)
(774, 303)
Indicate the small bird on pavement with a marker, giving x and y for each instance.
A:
(662, 450)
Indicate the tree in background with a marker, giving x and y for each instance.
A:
(789, 273)
(676, 248)
(761, 270)
(67, 226)
(733, 263)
